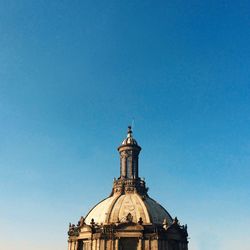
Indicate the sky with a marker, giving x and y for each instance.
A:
(75, 74)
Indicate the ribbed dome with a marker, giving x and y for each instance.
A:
(129, 140)
(117, 207)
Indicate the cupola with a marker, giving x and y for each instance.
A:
(129, 154)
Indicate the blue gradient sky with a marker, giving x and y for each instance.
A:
(74, 74)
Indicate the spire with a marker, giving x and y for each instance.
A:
(129, 152)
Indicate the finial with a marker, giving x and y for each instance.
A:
(92, 223)
(129, 217)
(140, 221)
(176, 221)
(129, 131)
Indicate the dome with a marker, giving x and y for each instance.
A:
(117, 208)
(129, 140)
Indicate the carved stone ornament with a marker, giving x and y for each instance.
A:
(140, 221)
(124, 154)
(73, 230)
(129, 217)
(81, 222)
(92, 223)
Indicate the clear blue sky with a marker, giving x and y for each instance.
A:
(74, 74)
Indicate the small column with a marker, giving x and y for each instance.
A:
(154, 244)
(129, 167)
(123, 166)
(140, 244)
(135, 166)
(73, 245)
(117, 244)
(98, 244)
(91, 244)
(69, 244)
(102, 246)
(94, 244)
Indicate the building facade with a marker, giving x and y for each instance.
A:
(129, 219)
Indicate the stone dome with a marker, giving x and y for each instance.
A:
(117, 207)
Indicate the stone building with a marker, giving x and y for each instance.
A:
(128, 219)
